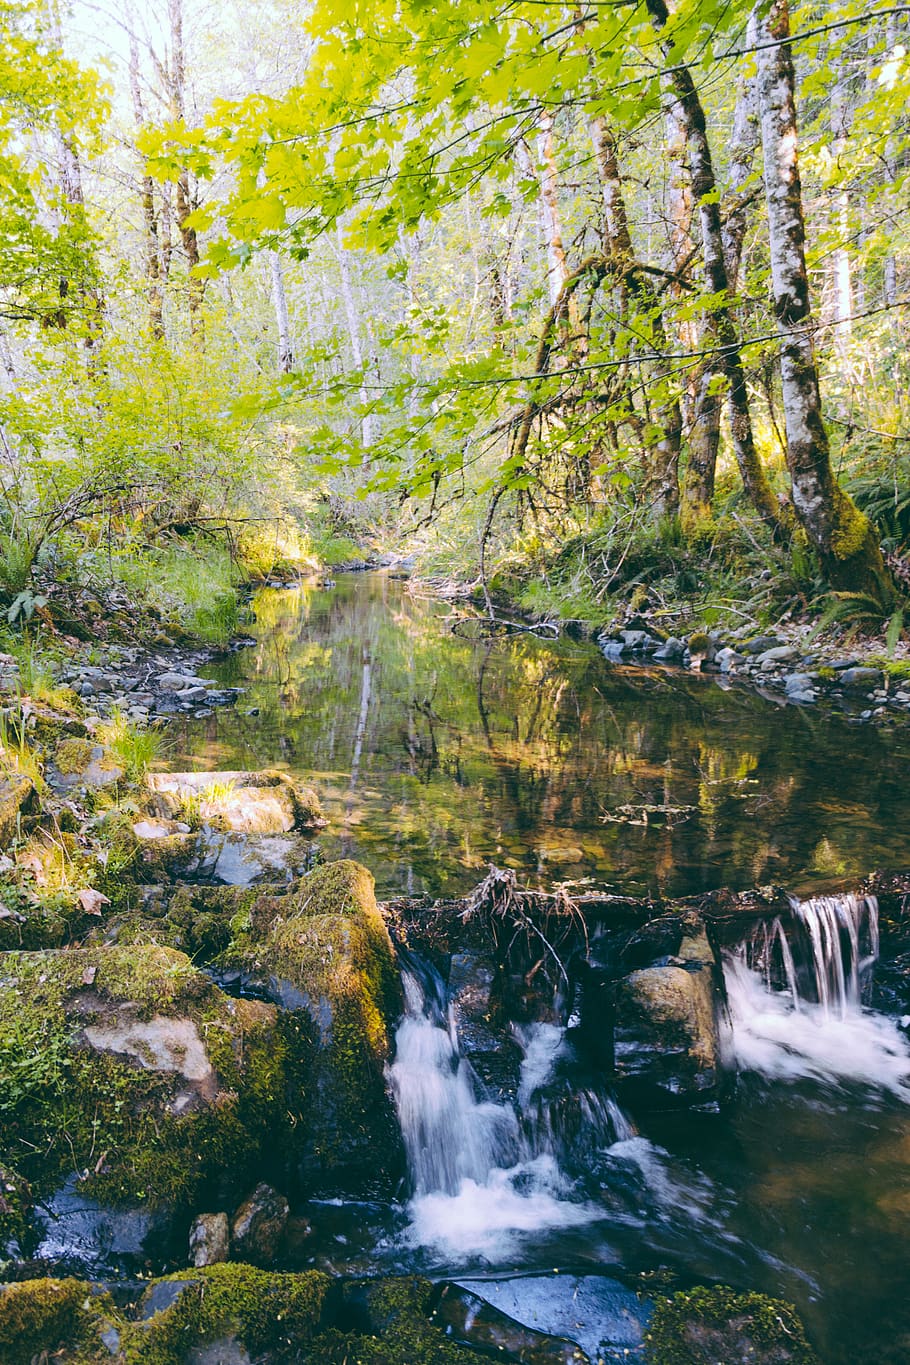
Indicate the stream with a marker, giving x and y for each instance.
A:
(434, 756)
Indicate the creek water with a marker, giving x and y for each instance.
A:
(435, 755)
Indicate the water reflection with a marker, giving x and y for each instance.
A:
(435, 755)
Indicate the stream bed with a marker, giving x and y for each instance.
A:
(434, 756)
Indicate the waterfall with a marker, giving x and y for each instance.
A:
(450, 1135)
(795, 992)
(484, 1172)
(823, 955)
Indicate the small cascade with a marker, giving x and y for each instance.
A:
(795, 992)
(823, 955)
(450, 1135)
(483, 1171)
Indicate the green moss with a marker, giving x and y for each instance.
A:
(73, 755)
(402, 1331)
(852, 528)
(18, 798)
(66, 1105)
(330, 958)
(42, 1317)
(703, 1326)
(896, 669)
(266, 1311)
(699, 643)
(15, 1205)
(826, 674)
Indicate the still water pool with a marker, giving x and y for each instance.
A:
(435, 755)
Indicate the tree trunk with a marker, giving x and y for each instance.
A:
(557, 266)
(150, 218)
(183, 194)
(840, 262)
(722, 326)
(280, 302)
(350, 308)
(704, 436)
(662, 474)
(844, 539)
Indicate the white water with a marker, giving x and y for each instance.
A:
(484, 1175)
(823, 1034)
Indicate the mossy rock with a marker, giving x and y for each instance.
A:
(66, 1320)
(703, 1326)
(79, 763)
(330, 964)
(128, 1063)
(18, 802)
(393, 1326)
(272, 1315)
(209, 918)
(15, 1207)
(148, 861)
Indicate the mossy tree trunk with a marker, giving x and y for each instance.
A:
(704, 435)
(723, 331)
(844, 539)
(663, 448)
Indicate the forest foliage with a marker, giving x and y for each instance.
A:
(630, 278)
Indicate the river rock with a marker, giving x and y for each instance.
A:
(760, 644)
(468, 1318)
(781, 654)
(258, 1226)
(598, 1313)
(210, 1239)
(727, 659)
(166, 1084)
(670, 1037)
(268, 802)
(671, 651)
(862, 679)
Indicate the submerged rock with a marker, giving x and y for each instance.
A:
(268, 802)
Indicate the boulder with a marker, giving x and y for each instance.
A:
(268, 802)
(168, 1085)
(227, 1314)
(327, 961)
(862, 679)
(469, 1318)
(670, 1033)
(597, 1313)
(67, 1320)
(80, 764)
(781, 654)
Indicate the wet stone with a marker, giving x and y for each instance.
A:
(597, 1313)
(210, 1239)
